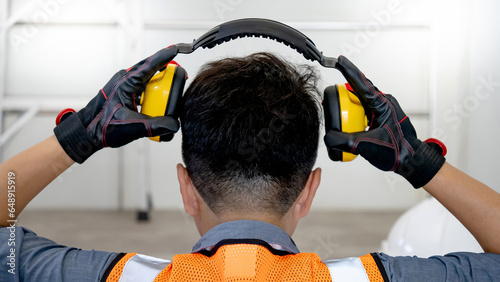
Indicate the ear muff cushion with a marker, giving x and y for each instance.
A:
(173, 104)
(331, 107)
(176, 90)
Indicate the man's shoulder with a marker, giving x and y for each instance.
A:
(25, 254)
(458, 266)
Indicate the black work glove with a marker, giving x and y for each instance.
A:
(391, 143)
(111, 118)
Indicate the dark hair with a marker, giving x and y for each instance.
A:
(250, 129)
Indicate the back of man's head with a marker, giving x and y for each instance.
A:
(250, 133)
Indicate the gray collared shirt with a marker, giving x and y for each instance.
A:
(247, 229)
(35, 258)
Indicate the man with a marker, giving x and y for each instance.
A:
(250, 138)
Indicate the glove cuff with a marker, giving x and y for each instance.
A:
(422, 166)
(75, 139)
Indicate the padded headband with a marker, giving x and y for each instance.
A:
(260, 28)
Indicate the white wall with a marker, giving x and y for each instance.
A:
(431, 55)
(482, 103)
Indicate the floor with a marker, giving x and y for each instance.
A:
(331, 234)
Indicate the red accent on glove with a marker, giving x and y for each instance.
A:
(64, 114)
(439, 143)
(349, 87)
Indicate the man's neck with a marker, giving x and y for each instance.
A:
(211, 220)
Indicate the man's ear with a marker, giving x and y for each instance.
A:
(304, 201)
(189, 199)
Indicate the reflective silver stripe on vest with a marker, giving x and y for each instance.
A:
(143, 268)
(348, 269)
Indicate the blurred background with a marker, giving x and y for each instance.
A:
(439, 58)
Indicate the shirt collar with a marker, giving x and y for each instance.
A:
(247, 229)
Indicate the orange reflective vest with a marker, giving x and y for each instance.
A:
(243, 262)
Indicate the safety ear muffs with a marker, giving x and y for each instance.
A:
(163, 94)
(164, 91)
(347, 112)
(343, 112)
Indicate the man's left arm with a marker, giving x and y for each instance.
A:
(23, 176)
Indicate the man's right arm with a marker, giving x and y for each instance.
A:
(474, 204)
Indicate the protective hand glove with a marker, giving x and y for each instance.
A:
(391, 143)
(111, 118)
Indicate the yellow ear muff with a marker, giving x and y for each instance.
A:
(154, 100)
(352, 116)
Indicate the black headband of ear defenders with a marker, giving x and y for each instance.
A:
(259, 28)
